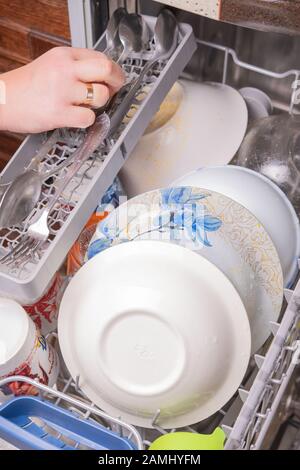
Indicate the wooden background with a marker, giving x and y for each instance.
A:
(28, 29)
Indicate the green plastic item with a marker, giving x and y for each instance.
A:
(190, 441)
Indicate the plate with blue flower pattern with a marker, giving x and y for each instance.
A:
(216, 227)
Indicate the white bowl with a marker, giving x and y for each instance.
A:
(264, 199)
(23, 350)
(200, 124)
(218, 228)
(151, 326)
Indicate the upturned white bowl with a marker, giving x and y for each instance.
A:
(199, 124)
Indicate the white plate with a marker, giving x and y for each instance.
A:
(150, 326)
(201, 124)
(218, 228)
(264, 199)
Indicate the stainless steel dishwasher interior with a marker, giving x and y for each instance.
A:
(272, 51)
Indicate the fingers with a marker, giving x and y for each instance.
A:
(94, 66)
(100, 69)
(78, 95)
(78, 116)
(79, 53)
(85, 66)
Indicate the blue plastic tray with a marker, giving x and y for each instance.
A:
(30, 423)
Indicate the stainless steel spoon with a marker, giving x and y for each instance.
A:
(36, 160)
(6, 189)
(166, 35)
(23, 194)
(145, 38)
(134, 35)
(113, 43)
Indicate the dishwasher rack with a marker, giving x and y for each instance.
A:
(275, 371)
(247, 418)
(231, 53)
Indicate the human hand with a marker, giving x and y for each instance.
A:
(49, 92)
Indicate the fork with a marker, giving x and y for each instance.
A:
(38, 231)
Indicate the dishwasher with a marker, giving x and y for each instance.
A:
(217, 44)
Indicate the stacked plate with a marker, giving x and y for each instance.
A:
(160, 330)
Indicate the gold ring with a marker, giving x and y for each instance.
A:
(89, 94)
